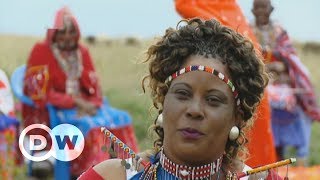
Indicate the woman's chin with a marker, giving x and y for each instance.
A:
(190, 150)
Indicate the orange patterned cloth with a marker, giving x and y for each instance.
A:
(261, 145)
(227, 12)
(7, 153)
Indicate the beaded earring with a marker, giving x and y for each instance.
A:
(234, 133)
(159, 121)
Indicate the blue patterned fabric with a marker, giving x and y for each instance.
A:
(6, 122)
(291, 130)
(106, 116)
(286, 129)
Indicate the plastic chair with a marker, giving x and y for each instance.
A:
(17, 85)
(61, 169)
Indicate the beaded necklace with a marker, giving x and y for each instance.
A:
(266, 35)
(267, 39)
(166, 169)
(72, 67)
(163, 168)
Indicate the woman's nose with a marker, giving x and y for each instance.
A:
(68, 35)
(195, 110)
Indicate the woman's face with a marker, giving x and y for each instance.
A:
(198, 113)
(262, 10)
(66, 38)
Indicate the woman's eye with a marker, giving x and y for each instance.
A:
(73, 32)
(182, 94)
(213, 100)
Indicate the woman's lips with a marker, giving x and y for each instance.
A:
(190, 133)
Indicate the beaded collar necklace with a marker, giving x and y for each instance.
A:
(266, 35)
(188, 172)
(172, 170)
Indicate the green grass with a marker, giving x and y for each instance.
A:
(120, 75)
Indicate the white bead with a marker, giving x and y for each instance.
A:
(238, 102)
(160, 120)
(39, 77)
(91, 90)
(221, 76)
(234, 133)
(184, 172)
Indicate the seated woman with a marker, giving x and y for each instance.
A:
(60, 71)
(9, 127)
(206, 81)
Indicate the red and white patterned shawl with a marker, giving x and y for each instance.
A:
(299, 74)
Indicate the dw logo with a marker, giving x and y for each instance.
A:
(60, 148)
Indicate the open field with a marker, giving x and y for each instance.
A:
(120, 73)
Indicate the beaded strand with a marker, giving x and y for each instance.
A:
(209, 70)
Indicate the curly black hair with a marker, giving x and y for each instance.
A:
(208, 38)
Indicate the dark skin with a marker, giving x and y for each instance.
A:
(262, 10)
(203, 102)
(67, 38)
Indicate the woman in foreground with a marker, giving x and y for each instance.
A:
(206, 81)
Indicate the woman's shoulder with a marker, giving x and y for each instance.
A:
(83, 48)
(110, 169)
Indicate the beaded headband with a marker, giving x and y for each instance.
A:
(209, 70)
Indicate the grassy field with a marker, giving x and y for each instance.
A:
(120, 73)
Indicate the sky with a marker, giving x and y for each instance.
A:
(141, 18)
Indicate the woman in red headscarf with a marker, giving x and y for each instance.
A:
(261, 146)
(60, 71)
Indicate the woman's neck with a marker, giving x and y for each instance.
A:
(265, 27)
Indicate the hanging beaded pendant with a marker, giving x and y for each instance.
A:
(117, 146)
